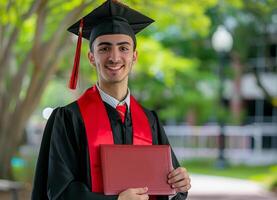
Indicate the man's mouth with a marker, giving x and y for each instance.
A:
(114, 68)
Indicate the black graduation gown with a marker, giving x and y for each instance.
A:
(63, 166)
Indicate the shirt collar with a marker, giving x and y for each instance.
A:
(113, 101)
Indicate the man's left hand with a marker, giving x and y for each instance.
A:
(179, 179)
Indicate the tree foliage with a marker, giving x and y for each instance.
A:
(32, 41)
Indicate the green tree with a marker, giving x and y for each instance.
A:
(31, 32)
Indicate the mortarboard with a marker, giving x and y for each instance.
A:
(112, 17)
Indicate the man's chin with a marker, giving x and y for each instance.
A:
(114, 81)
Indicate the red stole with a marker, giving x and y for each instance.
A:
(98, 130)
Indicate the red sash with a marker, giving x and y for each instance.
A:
(98, 130)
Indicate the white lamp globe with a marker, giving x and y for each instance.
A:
(222, 40)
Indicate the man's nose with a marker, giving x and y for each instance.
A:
(114, 55)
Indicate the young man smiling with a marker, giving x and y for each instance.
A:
(69, 160)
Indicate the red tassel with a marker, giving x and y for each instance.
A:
(75, 70)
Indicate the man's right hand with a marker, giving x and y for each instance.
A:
(134, 194)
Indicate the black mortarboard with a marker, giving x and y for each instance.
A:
(112, 17)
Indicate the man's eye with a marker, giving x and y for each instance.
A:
(103, 49)
(124, 48)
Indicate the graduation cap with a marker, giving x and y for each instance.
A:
(112, 17)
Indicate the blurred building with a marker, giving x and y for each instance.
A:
(260, 105)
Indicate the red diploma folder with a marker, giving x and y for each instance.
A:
(133, 166)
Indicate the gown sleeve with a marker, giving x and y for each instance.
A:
(39, 190)
(64, 180)
(162, 139)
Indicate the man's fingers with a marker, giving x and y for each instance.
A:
(177, 171)
(179, 184)
(144, 196)
(134, 193)
(183, 189)
(177, 178)
(140, 190)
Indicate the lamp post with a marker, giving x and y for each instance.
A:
(222, 43)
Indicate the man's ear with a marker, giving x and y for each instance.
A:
(135, 56)
(91, 58)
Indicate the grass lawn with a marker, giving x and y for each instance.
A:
(263, 174)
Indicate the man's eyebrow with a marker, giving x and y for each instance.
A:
(121, 43)
(110, 44)
(104, 43)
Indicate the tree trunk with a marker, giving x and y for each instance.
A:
(5, 159)
(236, 99)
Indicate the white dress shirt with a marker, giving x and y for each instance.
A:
(113, 101)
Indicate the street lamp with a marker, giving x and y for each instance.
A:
(222, 43)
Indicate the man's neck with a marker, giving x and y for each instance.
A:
(118, 91)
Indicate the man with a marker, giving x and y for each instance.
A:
(68, 164)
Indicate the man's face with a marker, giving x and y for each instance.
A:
(113, 56)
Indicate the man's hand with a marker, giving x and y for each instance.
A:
(134, 194)
(179, 179)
